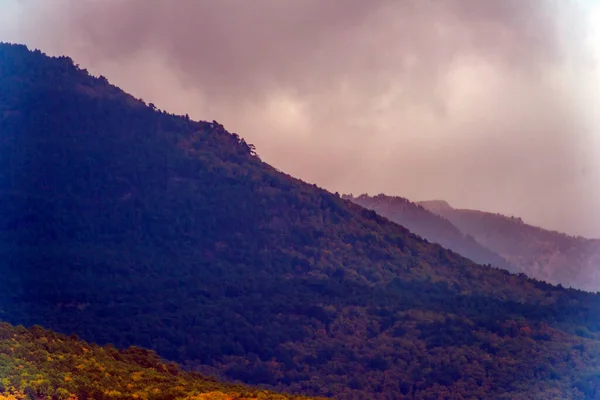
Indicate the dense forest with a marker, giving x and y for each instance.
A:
(39, 364)
(127, 225)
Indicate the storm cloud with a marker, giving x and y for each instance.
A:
(487, 104)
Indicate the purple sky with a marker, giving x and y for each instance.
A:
(487, 104)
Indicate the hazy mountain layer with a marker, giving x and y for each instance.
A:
(431, 226)
(547, 255)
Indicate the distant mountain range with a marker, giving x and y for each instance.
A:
(128, 225)
(498, 240)
(432, 227)
(540, 253)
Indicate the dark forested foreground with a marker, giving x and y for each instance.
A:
(131, 226)
(39, 364)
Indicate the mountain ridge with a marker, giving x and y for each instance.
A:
(541, 253)
(132, 226)
(433, 205)
(431, 226)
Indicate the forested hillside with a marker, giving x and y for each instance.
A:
(39, 364)
(132, 226)
(432, 227)
(540, 253)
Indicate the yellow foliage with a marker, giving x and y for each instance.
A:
(136, 376)
(211, 396)
(98, 367)
(11, 396)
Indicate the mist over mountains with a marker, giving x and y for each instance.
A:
(129, 225)
(432, 227)
(169, 199)
(492, 109)
(555, 257)
(505, 242)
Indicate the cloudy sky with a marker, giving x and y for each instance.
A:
(489, 104)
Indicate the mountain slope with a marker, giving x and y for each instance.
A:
(39, 364)
(430, 226)
(128, 225)
(547, 255)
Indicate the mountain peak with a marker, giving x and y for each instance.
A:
(436, 206)
(431, 225)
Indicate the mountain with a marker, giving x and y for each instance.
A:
(546, 255)
(39, 364)
(128, 225)
(431, 226)
(435, 206)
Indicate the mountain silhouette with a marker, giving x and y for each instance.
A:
(431, 226)
(128, 225)
(540, 253)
